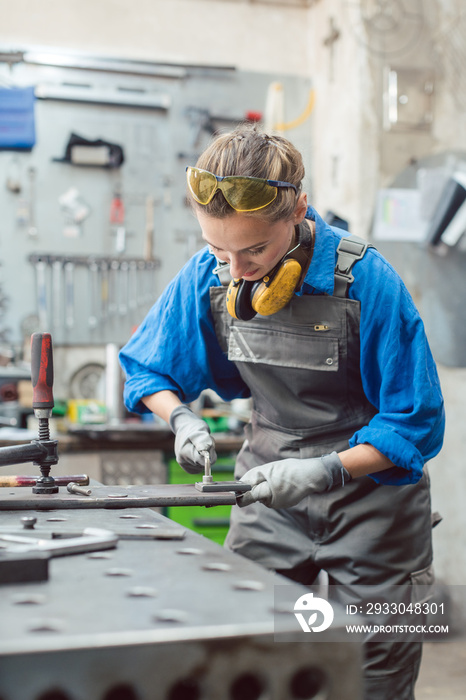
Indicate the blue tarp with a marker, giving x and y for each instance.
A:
(17, 125)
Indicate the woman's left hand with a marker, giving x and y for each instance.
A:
(285, 483)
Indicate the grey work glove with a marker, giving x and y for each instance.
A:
(192, 436)
(283, 484)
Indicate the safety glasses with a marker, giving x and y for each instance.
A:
(241, 192)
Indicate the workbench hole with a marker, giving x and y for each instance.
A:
(121, 692)
(248, 686)
(185, 690)
(308, 683)
(54, 695)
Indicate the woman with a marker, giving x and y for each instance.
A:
(347, 407)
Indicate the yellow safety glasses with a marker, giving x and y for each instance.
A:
(242, 193)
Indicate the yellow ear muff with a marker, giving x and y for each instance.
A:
(238, 299)
(232, 292)
(273, 293)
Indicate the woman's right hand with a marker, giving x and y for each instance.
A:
(192, 438)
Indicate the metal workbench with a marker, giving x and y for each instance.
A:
(164, 614)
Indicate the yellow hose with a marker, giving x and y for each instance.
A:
(286, 126)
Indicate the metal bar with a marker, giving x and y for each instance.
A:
(117, 497)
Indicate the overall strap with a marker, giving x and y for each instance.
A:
(223, 272)
(349, 250)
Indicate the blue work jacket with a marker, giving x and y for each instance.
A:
(175, 348)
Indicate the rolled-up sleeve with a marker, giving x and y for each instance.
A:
(398, 372)
(175, 348)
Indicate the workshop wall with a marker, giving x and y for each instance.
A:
(359, 148)
(259, 36)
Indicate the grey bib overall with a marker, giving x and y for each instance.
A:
(302, 366)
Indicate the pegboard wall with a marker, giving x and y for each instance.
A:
(65, 267)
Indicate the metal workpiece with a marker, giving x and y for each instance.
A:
(208, 485)
(215, 486)
(160, 619)
(115, 497)
(72, 487)
(92, 539)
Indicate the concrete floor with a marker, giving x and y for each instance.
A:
(443, 671)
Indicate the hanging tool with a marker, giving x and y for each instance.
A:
(117, 219)
(69, 293)
(208, 484)
(133, 285)
(41, 282)
(117, 208)
(93, 272)
(32, 230)
(13, 180)
(104, 289)
(112, 304)
(149, 237)
(57, 308)
(123, 288)
(202, 119)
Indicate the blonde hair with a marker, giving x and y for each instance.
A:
(248, 151)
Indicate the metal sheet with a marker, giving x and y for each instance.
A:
(116, 497)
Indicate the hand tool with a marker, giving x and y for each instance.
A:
(41, 282)
(92, 539)
(42, 452)
(203, 120)
(57, 296)
(117, 208)
(112, 305)
(69, 293)
(74, 488)
(149, 237)
(104, 289)
(123, 288)
(117, 219)
(12, 481)
(42, 403)
(93, 274)
(133, 285)
(208, 484)
(32, 230)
